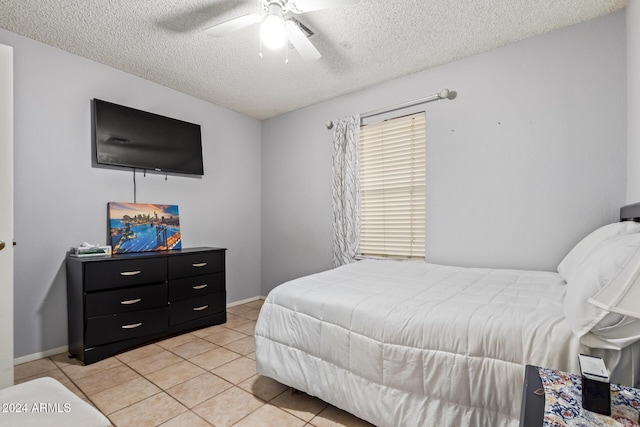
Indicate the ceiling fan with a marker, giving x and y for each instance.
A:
(278, 24)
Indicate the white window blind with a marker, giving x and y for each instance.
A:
(392, 187)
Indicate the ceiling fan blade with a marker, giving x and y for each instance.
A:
(302, 6)
(302, 44)
(233, 24)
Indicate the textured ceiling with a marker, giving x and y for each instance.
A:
(361, 45)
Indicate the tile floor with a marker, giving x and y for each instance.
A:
(202, 378)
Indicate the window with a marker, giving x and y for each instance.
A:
(392, 187)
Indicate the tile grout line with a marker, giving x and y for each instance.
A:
(71, 380)
(179, 415)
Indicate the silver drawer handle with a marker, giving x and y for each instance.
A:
(131, 301)
(131, 326)
(199, 264)
(130, 273)
(200, 286)
(201, 308)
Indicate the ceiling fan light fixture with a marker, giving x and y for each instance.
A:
(273, 32)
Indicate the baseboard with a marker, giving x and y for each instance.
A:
(244, 301)
(64, 349)
(40, 355)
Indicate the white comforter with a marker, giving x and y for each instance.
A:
(401, 343)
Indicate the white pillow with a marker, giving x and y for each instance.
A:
(571, 262)
(600, 267)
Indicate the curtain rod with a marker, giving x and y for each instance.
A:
(443, 94)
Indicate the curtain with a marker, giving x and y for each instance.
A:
(346, 190)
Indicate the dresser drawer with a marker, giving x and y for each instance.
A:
(125, 300)
(195, 308)
(196, 286)
(123, 326)
(196, 264)
(108, 274)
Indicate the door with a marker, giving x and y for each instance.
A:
(6, 216)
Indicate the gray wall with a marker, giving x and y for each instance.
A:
(529, 158)
(633, 102)
(60, 200)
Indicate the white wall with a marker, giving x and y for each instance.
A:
(529, 158)
(633, 101)
(6, 215)
(61, 201)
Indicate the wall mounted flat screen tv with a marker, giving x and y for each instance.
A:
(138, 139)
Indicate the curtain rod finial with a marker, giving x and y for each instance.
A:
(447, 94)
(329, 124)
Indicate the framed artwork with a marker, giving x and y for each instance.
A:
(143, 227)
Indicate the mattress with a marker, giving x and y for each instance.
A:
(405, 343)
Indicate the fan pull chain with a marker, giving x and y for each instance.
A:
(260, 47)
(286, 52)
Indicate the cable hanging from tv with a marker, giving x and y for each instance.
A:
(134, 185)
(144, 174)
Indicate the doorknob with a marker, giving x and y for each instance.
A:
(2, 245)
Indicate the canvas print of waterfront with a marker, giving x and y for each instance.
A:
(142, 227)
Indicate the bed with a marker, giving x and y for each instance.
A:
(406, 343)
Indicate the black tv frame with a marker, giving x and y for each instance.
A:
(126, 137)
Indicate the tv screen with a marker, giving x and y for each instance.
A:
(133, 138)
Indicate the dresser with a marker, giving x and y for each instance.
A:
(120, 302)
